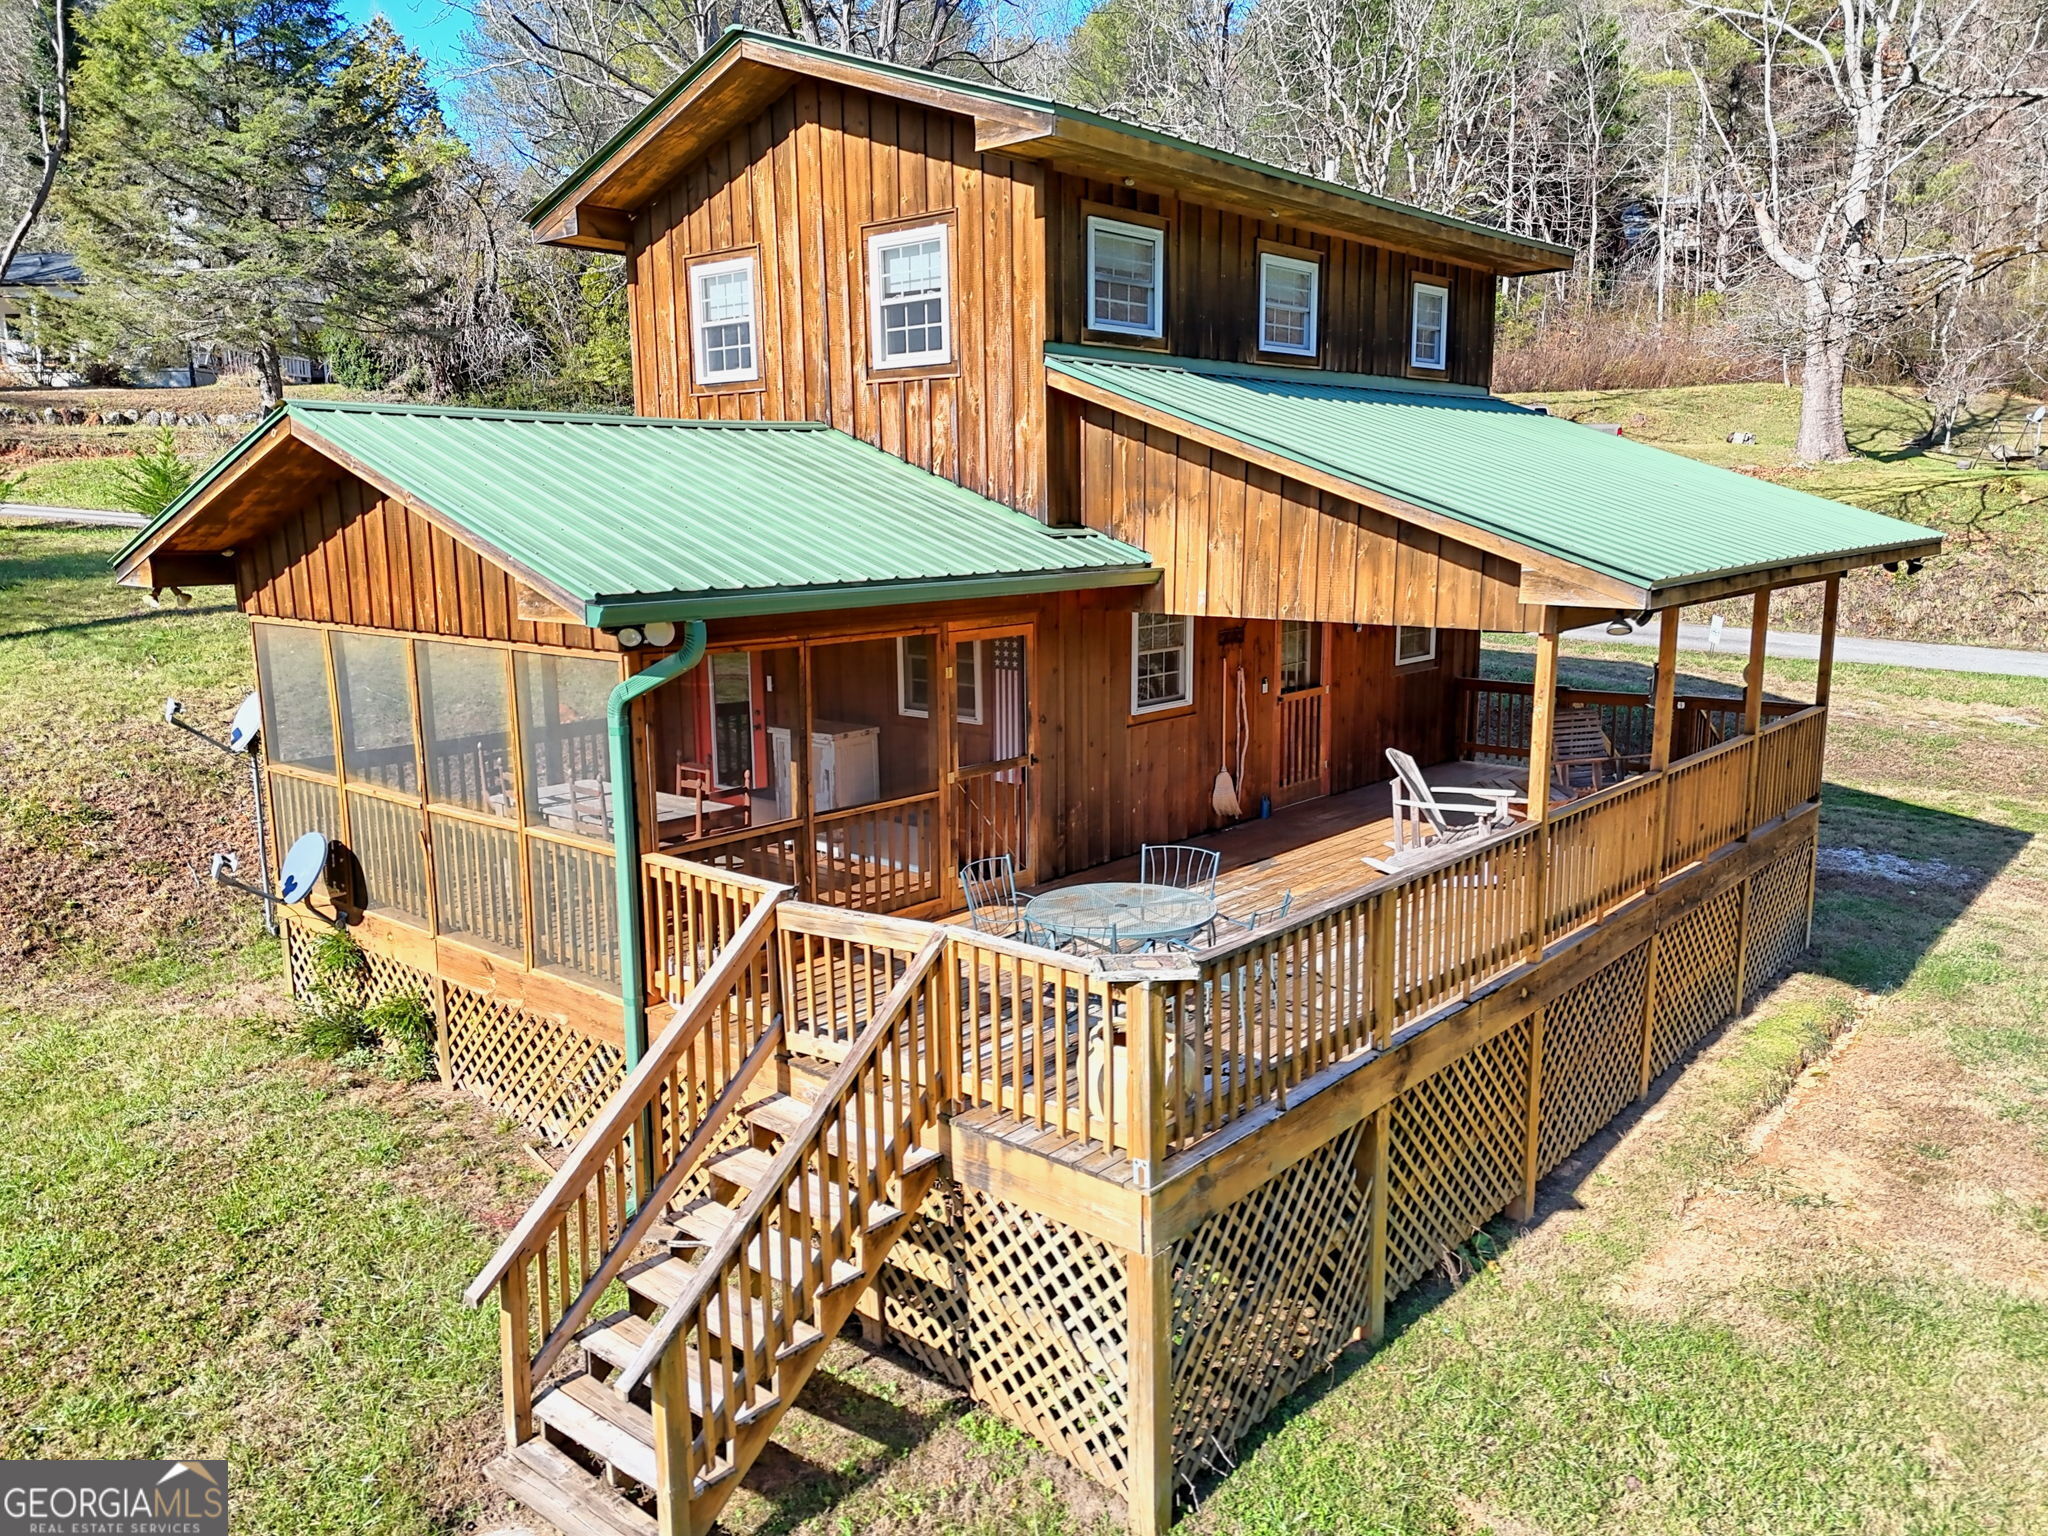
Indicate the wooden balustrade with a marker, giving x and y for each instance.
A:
(692, 910)
(1708, 802)
(575, 911)
(1301, 738)
(1788, 765)
(574, 1240)
(1600, 852)
(837, 967)
(1496, 716)
(1461, 923)
(800, 1230)
(880, 857)
(384, 836)
(992, 811)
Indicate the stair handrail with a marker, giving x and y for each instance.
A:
(632, 1096)
(789, 1162)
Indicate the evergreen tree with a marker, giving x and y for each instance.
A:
(247, 172)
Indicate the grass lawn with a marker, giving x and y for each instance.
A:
(1805, 1292)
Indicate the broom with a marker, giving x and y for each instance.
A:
(1224, 795)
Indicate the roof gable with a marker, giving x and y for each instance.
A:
(624, 520)
(745, 71)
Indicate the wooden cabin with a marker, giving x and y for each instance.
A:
(1003, 475)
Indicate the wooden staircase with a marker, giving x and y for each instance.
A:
(765, 1219)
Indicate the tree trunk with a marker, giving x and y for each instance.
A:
(270, 375)
(1821, 437)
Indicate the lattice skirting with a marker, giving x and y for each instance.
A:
(539, 1070)
(1454, 1153)
(1592, 1055)
(1696, 960)
(1265, 1295)
(1780, 898)
(381, 976)
(1026, 1313)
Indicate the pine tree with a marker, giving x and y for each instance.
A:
(246, 172)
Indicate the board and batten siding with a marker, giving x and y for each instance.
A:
(1212, 287)
(352, 555)
(1237, 540)
(801, 188)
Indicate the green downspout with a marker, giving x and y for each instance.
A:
(618, 719)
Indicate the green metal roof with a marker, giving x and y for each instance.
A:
(639, 519)
(1003, 95)
(1653, 519)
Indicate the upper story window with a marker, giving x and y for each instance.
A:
(1429, 327)
(1287, 304)
(722, 320)
(1162, 661)
(1126, 270)
(908, 289)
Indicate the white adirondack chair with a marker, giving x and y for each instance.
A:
(1430, 820)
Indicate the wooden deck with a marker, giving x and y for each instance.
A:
(1316, 848)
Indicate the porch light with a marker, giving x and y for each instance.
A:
(1620, 625)
(631, 638)
(660, 633)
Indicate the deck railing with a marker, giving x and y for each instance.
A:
(692, 911)
(1495, 718)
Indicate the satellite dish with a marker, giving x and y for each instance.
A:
(305, 863)
(247, 725)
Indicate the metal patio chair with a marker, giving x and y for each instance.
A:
(993, 905)
(1181, 865)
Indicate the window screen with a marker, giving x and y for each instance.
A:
(376, 711)
(466, 717)
(568, 778)
(291, 671)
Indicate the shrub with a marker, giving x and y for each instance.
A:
(154, 477)
(405, 1028)
(332, 1026)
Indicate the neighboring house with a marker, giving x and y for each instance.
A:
(34, 277)
(1003, 473)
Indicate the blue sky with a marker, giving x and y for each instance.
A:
(431, 28)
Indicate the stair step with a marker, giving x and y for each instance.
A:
(706, 1221)
(663, 1281)
(616, 1339)
(749, 1167)
(782, 1115)
(602, 1422)
(566, 1496)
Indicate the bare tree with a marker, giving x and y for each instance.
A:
(41, 83)
(1823, 119)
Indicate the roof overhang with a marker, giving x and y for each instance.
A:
(1549, 579)
(745, 72)
(285, 460)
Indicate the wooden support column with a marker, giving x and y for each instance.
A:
(1649, 1018)
(1145, 1036)
(515, 1363)
(1524, 1206)
(1753, 704)
(1663, 728)
(1830, 611)
(1542, 736)
(1375, 1152)
(1149, 1277)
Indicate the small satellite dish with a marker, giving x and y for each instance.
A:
(247, 725)
(305, 863)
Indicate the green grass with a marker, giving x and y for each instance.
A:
(92, 483)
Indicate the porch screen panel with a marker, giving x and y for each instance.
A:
(466, 718)
(476, 884)
(376, 711)
(384, 835)
(567, 783)
(291, 674)
(575, 912)
(874, 781)
(725, 743)
(299, 806)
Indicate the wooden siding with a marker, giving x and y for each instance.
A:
(354, 556)
(800, 188)
(1212, 287)
(1237, 540)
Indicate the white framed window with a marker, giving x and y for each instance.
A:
(967, 682)
(1429, 327)
(909, 295)
(1162, 661)
(1126, 277)
(1412, 644)
(722, 328)
(914, 675)
(1288, 290)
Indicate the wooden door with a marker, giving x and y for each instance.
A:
(1301, 733)
(989, 777)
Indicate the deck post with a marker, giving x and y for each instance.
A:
(515, 1361)
(1149, 1277)
(1663, 728)
(1753, 704)
(1542, 736)
(1524, 1206)
(1830, 611)
(672, 1433)
(1373, 1150)
(1649, 1017)
(1145, 1031)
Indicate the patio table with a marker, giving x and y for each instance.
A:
(1139, 914)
